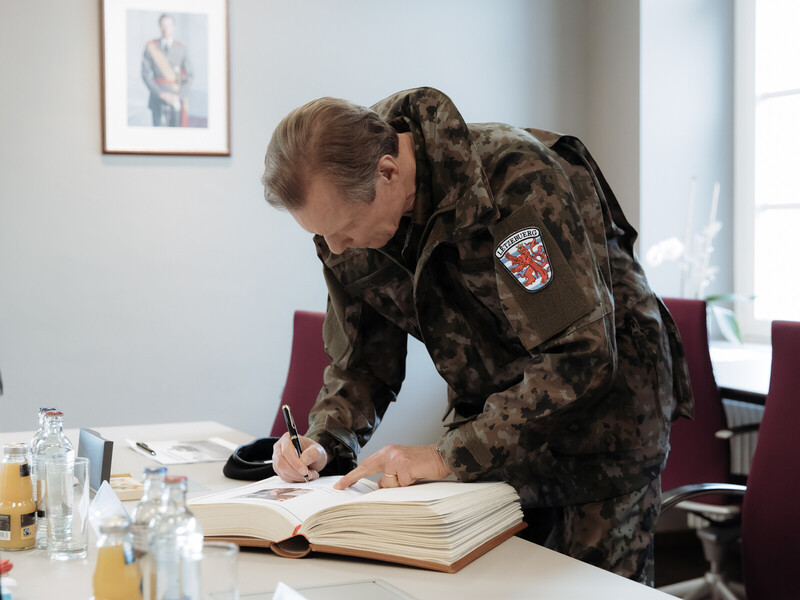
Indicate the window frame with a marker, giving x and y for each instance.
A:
(746, 103)
(744, 110)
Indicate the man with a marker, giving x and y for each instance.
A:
(507, 254)
(167, 73)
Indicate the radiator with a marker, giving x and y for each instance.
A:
(742, 445)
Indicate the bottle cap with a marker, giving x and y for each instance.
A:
(154, 471)
(175, 479)
(15, 449)
(115, 524)
(54, 412)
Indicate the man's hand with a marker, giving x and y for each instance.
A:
(292, 468)
(400, 465)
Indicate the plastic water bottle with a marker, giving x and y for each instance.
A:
(177, 546)
(148, 507)
(35, 440)
(54, 442)
(153, 501)
(41, 431)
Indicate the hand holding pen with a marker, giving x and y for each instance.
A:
(290, 426)
(296, 458)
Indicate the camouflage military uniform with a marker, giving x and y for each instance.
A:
(565, 391)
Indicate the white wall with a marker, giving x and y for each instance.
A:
(686, 128)
(136, 289)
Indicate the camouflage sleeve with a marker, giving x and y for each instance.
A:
(567, 327)
(367, 369)
(521, 426)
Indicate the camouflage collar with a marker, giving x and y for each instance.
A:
(451, 154)
(458, 184)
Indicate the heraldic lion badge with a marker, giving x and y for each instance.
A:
(524, 255)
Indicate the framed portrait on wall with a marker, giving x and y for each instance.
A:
(166, 83)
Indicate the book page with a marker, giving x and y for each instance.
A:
(429, 491)
(438, 522)
(250, 505)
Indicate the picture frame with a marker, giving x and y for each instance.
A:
(165, 77)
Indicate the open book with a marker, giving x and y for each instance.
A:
(441, 525)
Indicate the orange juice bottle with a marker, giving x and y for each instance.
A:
(116, 574)
(17, 508)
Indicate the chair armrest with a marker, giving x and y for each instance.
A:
(672, 497)
(710, 511)
(726, 434)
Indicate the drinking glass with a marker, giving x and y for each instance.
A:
(218, 571)
(67, 507)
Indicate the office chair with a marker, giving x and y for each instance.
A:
(306, 366)
(692, 439)
(770, 530)
(698, 456)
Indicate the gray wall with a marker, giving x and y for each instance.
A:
(612, 97)
(686, 128)
(136, 289)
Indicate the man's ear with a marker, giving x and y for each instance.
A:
(388, 167)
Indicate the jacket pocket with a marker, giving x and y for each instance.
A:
(537, 314)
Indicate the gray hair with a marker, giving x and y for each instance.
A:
(330, 138)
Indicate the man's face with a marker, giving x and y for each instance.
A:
(348, 225)
(167, 28)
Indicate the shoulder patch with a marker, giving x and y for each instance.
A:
(524, 255)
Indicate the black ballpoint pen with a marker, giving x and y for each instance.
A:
(287, 416)
(146, 448)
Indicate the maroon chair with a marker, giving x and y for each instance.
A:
(698, 456)
(306, 366)
(690, 440)
(770, 530)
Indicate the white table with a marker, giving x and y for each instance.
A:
(742, 370)
(515, 569)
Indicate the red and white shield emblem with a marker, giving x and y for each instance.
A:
(524, 255)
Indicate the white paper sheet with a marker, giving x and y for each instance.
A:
(175, 452)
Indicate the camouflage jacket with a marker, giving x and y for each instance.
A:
(517, 272)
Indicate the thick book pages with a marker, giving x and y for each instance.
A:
(442, 525)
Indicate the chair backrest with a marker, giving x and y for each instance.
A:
(306, 366)
(696, 456)
(770, 525)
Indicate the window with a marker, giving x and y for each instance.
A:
(767, 213)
